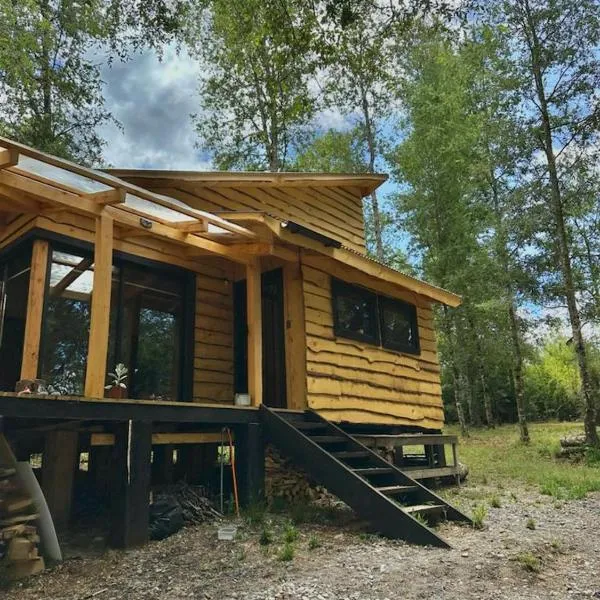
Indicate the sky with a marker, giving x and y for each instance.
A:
(153, 101)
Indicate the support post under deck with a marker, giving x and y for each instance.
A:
(131, 488)
(250, 463)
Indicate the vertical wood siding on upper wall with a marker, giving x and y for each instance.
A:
(332, 211)
(362, 383)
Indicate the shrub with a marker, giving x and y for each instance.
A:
(291, 533)
(286, 554)
(479, 515)
(529, 561)
(314, 542)
(266, 537)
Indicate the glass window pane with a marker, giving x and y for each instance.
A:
(74, 180)
(399, 329)
(152, 310)
(67, 322)
(355, 312)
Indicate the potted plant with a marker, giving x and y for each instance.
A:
(117, 388)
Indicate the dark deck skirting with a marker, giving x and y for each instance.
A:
(69, 407)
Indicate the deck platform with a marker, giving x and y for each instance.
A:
(105, 409)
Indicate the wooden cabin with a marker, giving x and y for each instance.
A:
(215, 290)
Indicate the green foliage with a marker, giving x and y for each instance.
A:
(290, 534)
(314, 542)
(286, 554)
(530, 523)
(266, 537)
(529, 561)
(479, 515)
(256, 105)
(495, 501)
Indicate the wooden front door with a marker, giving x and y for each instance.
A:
(273, 333)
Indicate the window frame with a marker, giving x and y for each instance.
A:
(381, 301)
(187, 279)
(339, 287)
(410, 311)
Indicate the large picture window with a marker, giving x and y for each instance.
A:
(146, 326)
(361, 314)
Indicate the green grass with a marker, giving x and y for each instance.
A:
(496, 455)
(286, 554)
(529, 562)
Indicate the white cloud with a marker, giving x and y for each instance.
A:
(153, 101)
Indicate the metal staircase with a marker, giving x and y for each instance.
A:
(394, 504)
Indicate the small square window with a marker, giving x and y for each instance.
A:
(355, 312)
(399, 329)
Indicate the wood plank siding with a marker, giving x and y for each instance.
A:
(213, 355)
(361, 383)
(332, 211)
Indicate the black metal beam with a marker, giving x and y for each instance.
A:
(50, 407)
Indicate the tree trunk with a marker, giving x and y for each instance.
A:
(372, 147)
(591, 435)
(518, 372)
(460, 413)
(487, 400)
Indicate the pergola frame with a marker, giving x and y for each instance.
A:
(24, 192)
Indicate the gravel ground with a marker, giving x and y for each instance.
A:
(558, 558)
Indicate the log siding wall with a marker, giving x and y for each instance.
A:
(362, 383)
(332, 211)
(213, 356)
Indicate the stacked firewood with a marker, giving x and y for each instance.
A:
(194, 501)
(286, 482)
(18, 535)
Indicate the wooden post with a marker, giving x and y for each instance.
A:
(59, 462)
(131, 485)
(295, 336)
(35, 310)
(250, 462)
(95, 375)
(254, 306)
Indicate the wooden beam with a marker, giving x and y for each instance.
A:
(70, 277)
(100, 311)
(254, 312)
(191, 226)
(295, 336)
(115, 196)
(59, 461)
(35, 309)
(159, 439)
(250, 463)
(19, 201)
(8, 158)
(48, 193)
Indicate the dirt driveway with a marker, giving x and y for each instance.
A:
(531, 547)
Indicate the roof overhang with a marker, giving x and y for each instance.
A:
(346, 257)
(365, 182)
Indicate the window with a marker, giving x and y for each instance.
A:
(399, 330)
(146, 326)
(363, 315)
(355, 312)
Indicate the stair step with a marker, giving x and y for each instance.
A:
(366, 471)
(351, 454)
(310, 425)
(424, 509)
(328, 439)
(393, 490)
